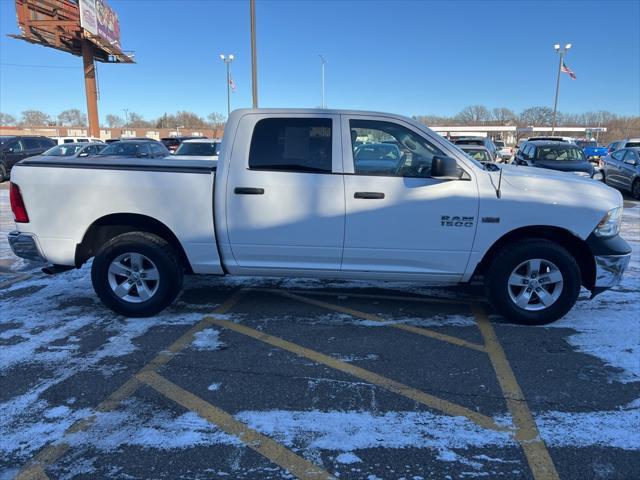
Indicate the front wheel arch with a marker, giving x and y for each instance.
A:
(575, 245)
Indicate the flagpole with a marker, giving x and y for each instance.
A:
(562, 53)
(228, 59)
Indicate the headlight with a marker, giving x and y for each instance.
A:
(610, 223)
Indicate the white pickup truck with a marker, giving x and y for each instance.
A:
(294, 194)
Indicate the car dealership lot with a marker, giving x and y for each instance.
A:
(267, 378)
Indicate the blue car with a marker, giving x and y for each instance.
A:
(621, 169)
(592, 151)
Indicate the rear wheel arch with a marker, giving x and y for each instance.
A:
(575, 245)
(110, 226)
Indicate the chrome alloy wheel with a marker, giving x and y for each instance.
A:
(133, 277)
(535, 284)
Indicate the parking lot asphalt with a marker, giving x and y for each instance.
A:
(269, 378)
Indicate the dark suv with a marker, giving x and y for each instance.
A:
(562, 156)
(480, 141)
(135, 147)
(16, 147)
(172, 143)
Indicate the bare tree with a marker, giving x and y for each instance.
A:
(537, 116)
(114, 121)
(137, 121)
(190, 120)
(7, 119)
(503, 116)
(72, 118)
(216, 119)
(35, 118)
(474, 115)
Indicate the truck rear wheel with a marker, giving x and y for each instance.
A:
(137, 274)
(533, 282)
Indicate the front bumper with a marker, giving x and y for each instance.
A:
(612, 256)
(24, 245)
(609, 270)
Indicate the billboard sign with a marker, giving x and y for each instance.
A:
(108, 23)
(98, 19)
(88, 17)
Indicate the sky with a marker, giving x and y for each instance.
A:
(406, 57)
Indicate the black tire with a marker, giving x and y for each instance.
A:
(505, 262)
(163, 257)
(3, 172)
(635, 189)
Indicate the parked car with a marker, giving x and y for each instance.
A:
(140, 148)
(628, 143)
(377, 157)
(482, 141)
(14, 148)
(61, 140)
(562, 156)
(504, 153)
(74, 150)
(288, 197)
(612, 147)
(591, 150)
(172, 143)
(198, 149)
(478, 153)
(621, 169)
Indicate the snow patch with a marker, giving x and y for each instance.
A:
(207, 339)
(348, 458)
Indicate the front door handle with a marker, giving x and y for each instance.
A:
(369, 195)
(248, 191)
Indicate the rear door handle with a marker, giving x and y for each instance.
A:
(369, 195)
(248, 191)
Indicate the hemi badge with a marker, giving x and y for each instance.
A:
(490, 219)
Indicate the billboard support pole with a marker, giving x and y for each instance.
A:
(254, 61)
(90, 87)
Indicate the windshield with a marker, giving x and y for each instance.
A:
(499, 143)
(121, 148)
(560, 153)
(479, 155)
(65, 150)
(586, 144)
(204, 149)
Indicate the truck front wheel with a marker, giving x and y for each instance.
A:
(533, 282)
(137, 274)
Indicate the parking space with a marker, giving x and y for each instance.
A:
(268, 378)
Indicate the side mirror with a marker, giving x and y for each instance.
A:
(445, 168)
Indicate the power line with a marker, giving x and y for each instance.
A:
(32, 66)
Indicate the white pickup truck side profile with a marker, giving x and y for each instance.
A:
(293, 195)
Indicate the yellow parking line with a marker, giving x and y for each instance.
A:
(51, 453)
(527, 433)
(368, 316)
(268, 448)
(420, 299)
(391, 385)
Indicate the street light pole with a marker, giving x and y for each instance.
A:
(254, 54)
(228, 59)
(126, 117)
(562, 52)
(323, 62)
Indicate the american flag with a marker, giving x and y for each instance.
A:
(567, 70)
(232, 84)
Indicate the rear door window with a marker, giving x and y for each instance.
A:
(31, 144)
(292, 145)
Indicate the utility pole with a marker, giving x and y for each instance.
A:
(90, 87)
(126, 117)
(562, 52)
(254, 65)
(227, 59)
(322, 62)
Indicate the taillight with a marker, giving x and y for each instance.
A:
(17, 204)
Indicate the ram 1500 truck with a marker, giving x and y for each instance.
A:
(291, 195)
